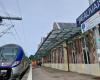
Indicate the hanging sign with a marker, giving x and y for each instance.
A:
(91, 22)
(90, 11)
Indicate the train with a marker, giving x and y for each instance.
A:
(13, 61)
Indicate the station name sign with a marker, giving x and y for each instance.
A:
(91, 10)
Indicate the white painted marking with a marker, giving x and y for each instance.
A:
(30, 73)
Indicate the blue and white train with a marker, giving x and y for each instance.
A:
(13, 61)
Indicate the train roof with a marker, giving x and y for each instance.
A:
(11, 45)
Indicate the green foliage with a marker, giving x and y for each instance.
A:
(32, 57)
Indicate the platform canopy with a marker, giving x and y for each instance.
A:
(61, 32)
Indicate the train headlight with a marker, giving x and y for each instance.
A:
(15, 63)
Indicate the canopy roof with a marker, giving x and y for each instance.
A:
(61, 32)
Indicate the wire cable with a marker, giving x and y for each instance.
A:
(20, 12)
(3, 8)
(5, 31)
(5, 11)
(18, 6)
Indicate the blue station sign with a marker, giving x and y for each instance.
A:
(91, 10)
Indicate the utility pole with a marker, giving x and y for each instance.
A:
(10, 18)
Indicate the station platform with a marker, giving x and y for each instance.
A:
(28, 74)
(43, 73)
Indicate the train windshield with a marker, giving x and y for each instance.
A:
(8, 54)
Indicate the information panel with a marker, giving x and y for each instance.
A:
(90, 11)
(91, 22)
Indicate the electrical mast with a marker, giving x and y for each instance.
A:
(10, 18)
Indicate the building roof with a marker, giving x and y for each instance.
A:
(60, 33)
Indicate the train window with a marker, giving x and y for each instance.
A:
(8, 53)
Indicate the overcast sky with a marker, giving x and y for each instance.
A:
(38, 18)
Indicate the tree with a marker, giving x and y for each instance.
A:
(32, 57)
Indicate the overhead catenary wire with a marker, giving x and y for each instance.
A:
(3, 7)
(5, 11)
(19, 9)
(18, 6)
(13, 35)
(20, 13)
(5, 31)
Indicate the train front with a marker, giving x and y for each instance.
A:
(7, 61)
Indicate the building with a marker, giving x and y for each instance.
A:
(67, 48)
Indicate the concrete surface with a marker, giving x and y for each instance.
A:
(42, 73)
(28, 74)
(25, 76)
